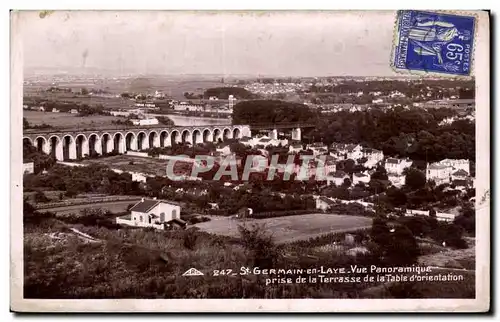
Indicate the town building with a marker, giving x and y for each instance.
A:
(232, 101)
(336, 178)
(397, 180)
(448, 170)
(145, 121)
(397, 166)
(154, 213)
(354, 151)
(347, 151)
(295, 148)
(360, 178)
(185, 106)
(457, 164)
(439, 173)
(373, 157)
(28, 167)
(263, 141)
(327, 164)
(324, 203)
(73, 111)
(460, 174)
(317, 148)
(225, 150)
(55, 110)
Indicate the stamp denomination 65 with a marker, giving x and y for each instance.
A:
(434, 42)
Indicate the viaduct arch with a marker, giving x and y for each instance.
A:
(74, 144)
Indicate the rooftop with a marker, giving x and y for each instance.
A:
(339, 174)
(392, 161)
(147, 204)
(460, 172)
(326, 200)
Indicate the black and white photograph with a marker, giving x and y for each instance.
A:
(249, 156)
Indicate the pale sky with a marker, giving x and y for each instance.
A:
(159, 42)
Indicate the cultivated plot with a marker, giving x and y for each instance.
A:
(289, 228)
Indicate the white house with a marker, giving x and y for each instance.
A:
(145, 121)
(360, 178)
(337, 178)
(347, 151)
(139, 177)
(397, 166)
(225, 150)
(323, 203)
(397, 180)
(457, 164)
(73, 111)
(439, 173)
(295, 148)
(459, 175)
(28, 167)
(153, 213)
(327, 163)
(354, 151)
(185, 106)
(373, 157)
(264, 141)
(55, 110)
(317, 148)
(448, 170)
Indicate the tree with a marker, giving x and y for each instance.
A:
(84, 91)
(467, 218)
(40, 197)
(396, 245)
(165, 120)
(415, 179)
(26, 124)
(259, 245)
(396, 197)
(271, 111)
(380, 173)
(346, 183)
(189, 239)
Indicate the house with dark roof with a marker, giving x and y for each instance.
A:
(323, 203)
(354, 151)
(460, 175)
(336, 178)
(151, 213)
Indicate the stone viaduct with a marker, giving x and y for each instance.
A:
(74, 144)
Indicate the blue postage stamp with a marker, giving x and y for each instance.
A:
(434, 42)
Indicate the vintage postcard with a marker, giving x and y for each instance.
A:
(250, 161)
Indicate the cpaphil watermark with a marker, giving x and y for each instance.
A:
(296, 167)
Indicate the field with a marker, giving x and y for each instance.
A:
(139, 164)
(114, 207)
(66, 120)
(173, 87)
(289, 228)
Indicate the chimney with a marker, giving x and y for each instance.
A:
(142, 199)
